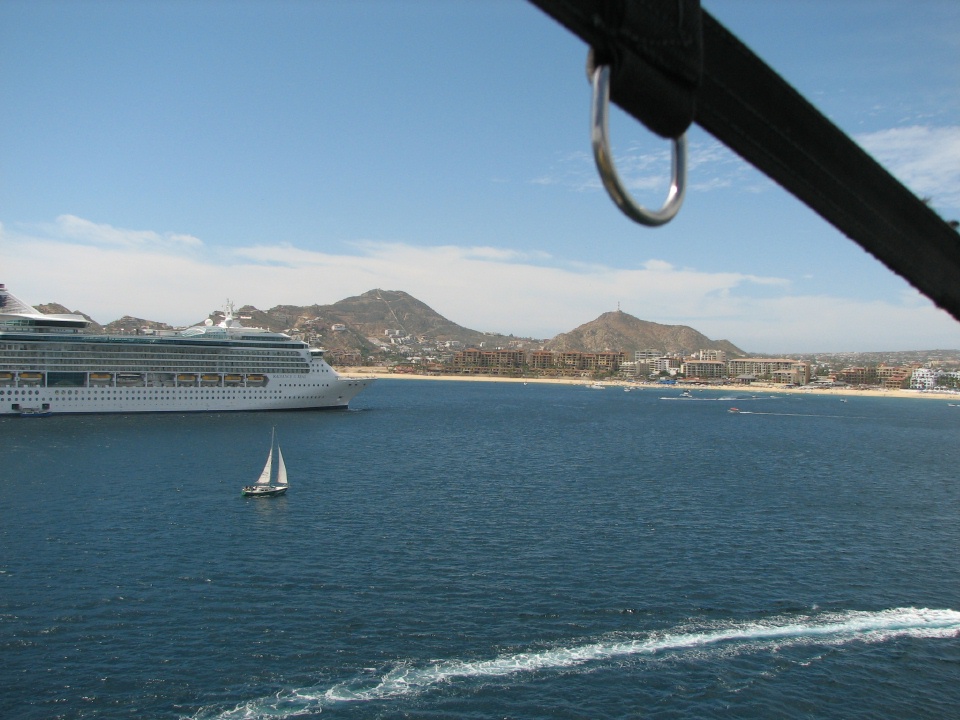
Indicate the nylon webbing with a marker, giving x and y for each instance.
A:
(746, 105)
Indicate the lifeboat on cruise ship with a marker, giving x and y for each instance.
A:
(233, 379)
(6, 377)
(186, 378)
(256, 379)
(100, 377)
(210, 378)
(129, 379)
(31, 377)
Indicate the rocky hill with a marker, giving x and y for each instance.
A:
(363, 322)
(620, 331)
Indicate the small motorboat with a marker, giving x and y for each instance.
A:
(35, 413)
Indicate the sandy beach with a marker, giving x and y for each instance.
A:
(378, 372)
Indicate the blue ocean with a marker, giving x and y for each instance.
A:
(487, 550)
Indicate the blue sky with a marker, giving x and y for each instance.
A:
(157, 158)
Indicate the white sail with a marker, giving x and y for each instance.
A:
(265, 475)
(281, 469)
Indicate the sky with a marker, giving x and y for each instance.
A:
(160, 158)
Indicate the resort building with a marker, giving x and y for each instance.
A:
(540, 360)
(858, 375)
(495, 362)
(647, 356)
(714, 355)
(894, 377)
(781, 370)
(924, 379)
(666, 364)
(704, 369)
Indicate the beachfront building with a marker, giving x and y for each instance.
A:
(489, 362)
(540, 360)
(926, 378)
(575, 362)
(894, 377)
(704, 369)
(858, 375)
(779, 370)
(666, 364)
(923, 379)
(608, 361)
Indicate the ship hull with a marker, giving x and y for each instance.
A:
(282, 393)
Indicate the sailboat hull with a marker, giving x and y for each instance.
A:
(268, 491)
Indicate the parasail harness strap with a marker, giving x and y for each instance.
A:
(672, 64)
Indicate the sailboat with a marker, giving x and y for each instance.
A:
(263, 486)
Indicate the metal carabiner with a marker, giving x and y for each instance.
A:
(599, 137)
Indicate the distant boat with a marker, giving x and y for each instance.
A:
(596, 386)
(35, 413)
(263, 487)
(734, 410)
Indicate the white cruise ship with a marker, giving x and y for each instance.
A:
(49, 364)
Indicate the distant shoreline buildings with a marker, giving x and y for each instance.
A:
(704, 366)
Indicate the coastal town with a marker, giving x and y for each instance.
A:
(938, 371)
(392, 334)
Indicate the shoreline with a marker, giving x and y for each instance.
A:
(378, 373)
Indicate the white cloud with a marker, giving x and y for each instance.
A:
(820, 323)
(73, 228)
(925, 159)
(483, 288)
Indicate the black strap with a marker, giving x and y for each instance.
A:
(742, 102)
(653, 49)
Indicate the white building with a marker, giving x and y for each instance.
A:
(924, 379)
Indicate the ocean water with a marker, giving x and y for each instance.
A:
(487, 550)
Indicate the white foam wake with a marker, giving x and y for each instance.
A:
(408, 679)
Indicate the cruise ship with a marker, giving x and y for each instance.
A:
(51, 365)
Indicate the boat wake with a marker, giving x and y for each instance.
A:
(814, 415)
(726, 398)
(694, 640)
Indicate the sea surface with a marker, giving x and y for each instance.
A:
(487, 550)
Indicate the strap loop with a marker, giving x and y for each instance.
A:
(599, 137)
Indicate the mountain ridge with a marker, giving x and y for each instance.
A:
(618, 330)
(378, 318)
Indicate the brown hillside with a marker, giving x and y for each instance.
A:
(621, 331)
(367, 318)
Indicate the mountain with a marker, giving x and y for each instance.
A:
(377, 311)
(361, 323)
(620, 331)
